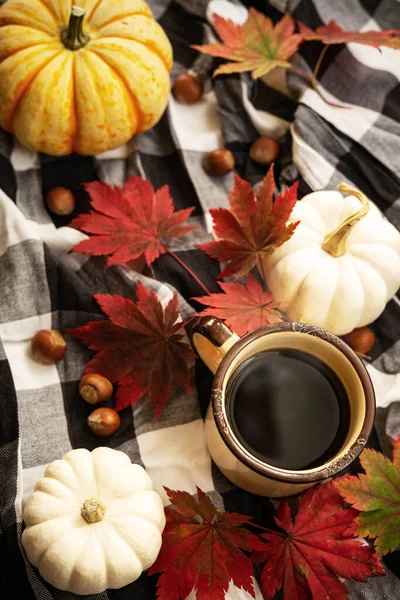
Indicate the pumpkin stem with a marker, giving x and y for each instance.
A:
(73, 37)
(336, 242)
(93, 510)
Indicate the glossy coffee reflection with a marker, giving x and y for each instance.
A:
(288, 409)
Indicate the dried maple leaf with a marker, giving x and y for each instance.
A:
(377, 495)
(257, 46)
(140, 347)
(253, 227)
(243, 307)
(333, 34)
(202, 550)
(130, 223)
(315, 550)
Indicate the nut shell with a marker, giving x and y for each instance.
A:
(48, 347)
(60, 201)
(219, 162)
(265, 150)
(104, 421)
(187, 88)
(95, 388)
(361, 340)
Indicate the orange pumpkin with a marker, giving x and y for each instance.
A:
(82, 78)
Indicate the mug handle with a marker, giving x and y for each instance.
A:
(212, 339)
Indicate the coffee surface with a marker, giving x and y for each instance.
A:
(288, 409)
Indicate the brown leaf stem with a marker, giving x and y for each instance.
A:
(258, 526)
(318, 63)
(261, 270)
(187, 269)
(313, 84)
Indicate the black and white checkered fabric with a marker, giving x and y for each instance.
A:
(42, 286)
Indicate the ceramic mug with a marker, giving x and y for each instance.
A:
(223, 352)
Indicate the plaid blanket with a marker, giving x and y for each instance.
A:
(42, 286)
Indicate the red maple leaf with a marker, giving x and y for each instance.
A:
(253, 227)
(315, 550)
(377, 495)
(130, 223)
(243, 307)
(139, 346)
(202, 550)
(333, 34)
(256, 46)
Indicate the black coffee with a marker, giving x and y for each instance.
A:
(288, 408)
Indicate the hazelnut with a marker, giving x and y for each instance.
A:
(48, 346)
(104, 421)
(187, 88)
(95, 388)
(60, 201)
(219, 162)
(361, 340)
(265, 150)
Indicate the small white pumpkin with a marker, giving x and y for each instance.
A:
(93, 522)
(342, 264)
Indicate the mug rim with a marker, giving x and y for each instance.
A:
(269, 471)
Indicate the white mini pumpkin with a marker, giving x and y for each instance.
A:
(93, 522)
(341, 266)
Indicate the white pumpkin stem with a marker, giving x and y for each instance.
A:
(336, 242)
(93, 510)
(74, 37)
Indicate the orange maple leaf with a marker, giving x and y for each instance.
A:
(257, 46)
(333, 34)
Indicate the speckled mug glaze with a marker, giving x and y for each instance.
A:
(223, 352)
